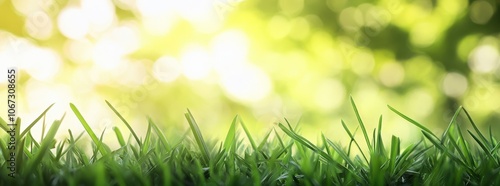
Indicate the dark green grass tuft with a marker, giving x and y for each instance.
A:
(456, 157)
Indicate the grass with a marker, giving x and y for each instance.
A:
(455, 157)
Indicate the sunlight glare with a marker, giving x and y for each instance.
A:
(196, 62)
(167, 69)
(72, 23)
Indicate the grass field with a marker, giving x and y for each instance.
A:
(456, 157)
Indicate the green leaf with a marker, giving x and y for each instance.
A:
(44, 146)
(249, 136)
(363, 129)
(413, 122)
(119, 136)
(230, 141)
(125, 122)
(481, 137)
(198, 137)
(87, 128)
(160, 135)
(36, 120)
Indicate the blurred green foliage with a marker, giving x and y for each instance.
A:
(264, 60)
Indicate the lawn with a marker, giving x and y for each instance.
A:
(282, 157)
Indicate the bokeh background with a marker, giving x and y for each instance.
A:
(262, 59)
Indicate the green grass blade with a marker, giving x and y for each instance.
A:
(453, 119)
(45, 145)
(395, 149)
(20, 155)
(3, 125)
(249, 136)
(198, 137)
(97, 147)
(351, 135)
(413, 122)
(36, 120)
(495, 148)
(3, 149)
(340, 151)
(230, 141)
(119, 136)
(125, 122)
(87, 128)
(481, 136)
(264, 140)
(438, 144)
(363, 129)
(380, 143)
(481, 144)
(147, 140)
(161, 136)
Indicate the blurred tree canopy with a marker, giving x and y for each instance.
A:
(264, 60)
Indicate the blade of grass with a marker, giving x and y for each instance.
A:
(43, 128)
(413, 122)
(395, 149)
(229, 142)
(160, 135)
(340, 151)
(97, 147)
(481, 137)
(438, 144)
(119, 136)
(44, 146)
(453, 119)
(125, 122)
(28, 128)
(351, 135)
(3, 149)
(87, 128)
(481, 144)
(147, 140)
(3, 125)
(249, 136)
(198, 137)
(380, 143)
(20, 155)
(363, 129)
(264, 140)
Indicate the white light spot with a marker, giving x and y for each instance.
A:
(392, 74)
(481, 12)
(420, 103)
(454, 84)
(39, 95)
(201, 13)
(362, 63)
(78, 51)
(154, 8)
(42, 64)
(351, 19)
(246, 83)
(329, 94)
(126, 37)
(130, 73)
(107, 55)
(229, 49)
(196, 62)
(484, 59)
(39, 25)
(167, 69)
(158, 16)
(100, 14)
(72, 23)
